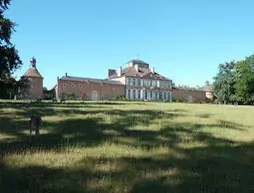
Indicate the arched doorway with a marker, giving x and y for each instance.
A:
(94, 95)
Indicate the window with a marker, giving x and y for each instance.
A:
(145, 94)
(146, 83)
(160, 95)
(151, 95)
(165, 96)
(169, 96)
(80, 86)
(128, 81)
(151, 83)
(72, 86)
(64, 85)
(134, 81)
(129, 94)
(139, 82)
(154, 82)
(158, 83)
(167, 85)
(162, 84)
(156, 95)
(138, 94)
(134, 94)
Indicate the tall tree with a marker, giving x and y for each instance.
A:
(223, 85)
(244, 80)
(9, 59)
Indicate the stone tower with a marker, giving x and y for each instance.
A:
(35, 88)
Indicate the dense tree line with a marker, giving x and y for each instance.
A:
(234, 82)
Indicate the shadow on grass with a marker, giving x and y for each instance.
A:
(203, 169)
(84, 132)
(79, 104)
(220, 165)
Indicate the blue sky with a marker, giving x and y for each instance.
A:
(184, 40)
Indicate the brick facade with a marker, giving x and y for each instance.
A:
(89, 89)
(35, 88)
(189, 95)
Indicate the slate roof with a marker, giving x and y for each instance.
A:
(137, 62)
(33, 72)
(141, 73)
(104, 81)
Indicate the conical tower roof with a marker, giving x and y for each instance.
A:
(32, 71)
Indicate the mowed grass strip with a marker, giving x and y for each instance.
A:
(128, 147)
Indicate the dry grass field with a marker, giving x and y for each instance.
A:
(134, 147)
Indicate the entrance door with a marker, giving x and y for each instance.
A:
(94, 95)
(190, 100)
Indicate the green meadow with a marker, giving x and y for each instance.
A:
(134, 147)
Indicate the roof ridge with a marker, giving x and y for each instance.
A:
(90, 79)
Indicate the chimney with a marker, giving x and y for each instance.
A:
(111, 72)
(152, 70)
(119, 71)
(136, 67)
(66, 74)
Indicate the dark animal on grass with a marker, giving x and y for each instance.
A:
(35, 125)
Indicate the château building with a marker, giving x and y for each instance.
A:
(136, 81)
(142, 82)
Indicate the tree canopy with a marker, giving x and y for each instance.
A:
(223, 85)
(244, 77)
(9, 59)
(235, 82)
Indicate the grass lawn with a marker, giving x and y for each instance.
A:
(127, 147)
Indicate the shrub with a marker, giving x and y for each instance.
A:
(54, 100)
(121, 98)
(179, 100)
(62, 100)
(70, 96)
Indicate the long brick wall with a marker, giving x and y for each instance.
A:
(189, 95)
(89, 90)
